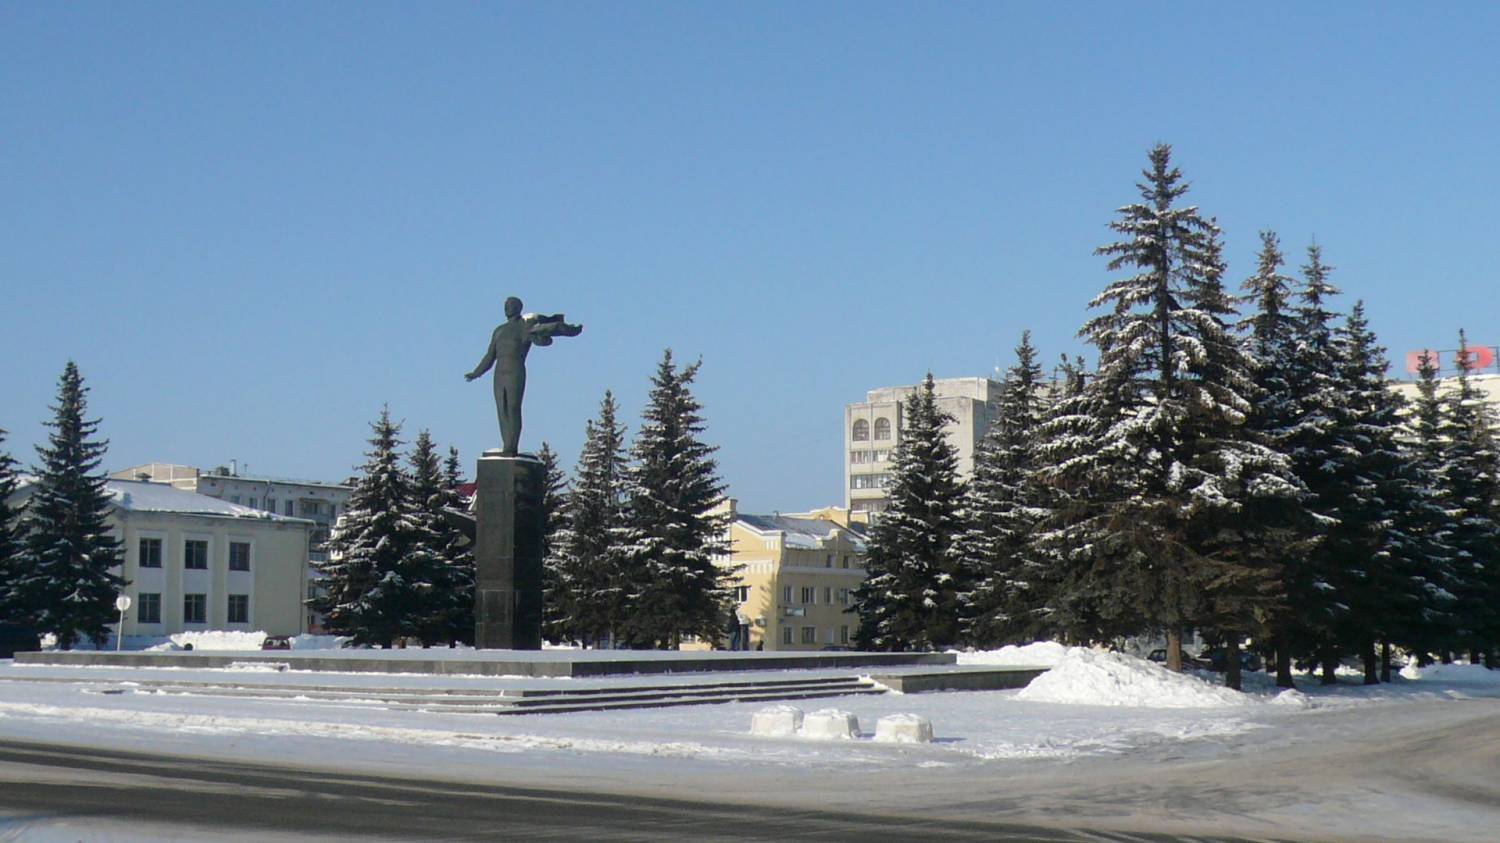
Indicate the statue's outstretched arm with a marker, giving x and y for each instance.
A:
(541, 329)
(484, 364)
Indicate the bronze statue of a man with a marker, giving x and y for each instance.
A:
(509, 346)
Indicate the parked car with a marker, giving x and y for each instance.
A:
(1160, 657)
(276, 642)
(15, 638)
(1218, 659)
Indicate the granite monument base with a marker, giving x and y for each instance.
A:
(509, 526)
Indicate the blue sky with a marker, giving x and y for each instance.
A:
(253, 224)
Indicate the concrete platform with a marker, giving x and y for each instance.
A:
(960, 679)
(543, 663)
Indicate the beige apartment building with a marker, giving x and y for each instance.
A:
(797, 576)
(873, 427)
(192, 562)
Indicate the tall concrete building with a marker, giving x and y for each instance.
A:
(873, 427)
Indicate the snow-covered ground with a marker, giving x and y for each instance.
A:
(1091, 705)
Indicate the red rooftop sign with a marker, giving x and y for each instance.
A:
(1481, 357)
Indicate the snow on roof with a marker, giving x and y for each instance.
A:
(802, 533)
(142, 496)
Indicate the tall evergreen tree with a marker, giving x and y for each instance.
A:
(1316, 601)
(1471, 480)
(1157, 451)
(10, 536)
(66, 582)
(434, 598)
(554, 517)
(377, 572)
(458, 556)
(675, 534)
(1002, 509)
(1424, 452)
(915, 571)
(588, 599)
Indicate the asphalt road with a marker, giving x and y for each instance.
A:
(43, 784)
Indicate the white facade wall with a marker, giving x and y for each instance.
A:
(274, 585)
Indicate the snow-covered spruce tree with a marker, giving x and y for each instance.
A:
(591, 586)
(10, 537)
(1318, 452)
(65, 582)
(458, 556)
(1160, 454)
(1272, 333)
(1387, 567)
(431, 616)
(376, 569)
(1471, 480)
(1423, 453)
(554, 517)
(915, 573)
(1002, 509)
(674, 534)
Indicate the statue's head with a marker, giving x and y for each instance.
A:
(512, 307)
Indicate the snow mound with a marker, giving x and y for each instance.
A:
(830, 724)
(1039, 654)
(903, 728)
(1089, 677)
(1292, 698)
(1458, 674)
(214, 639)
(777, 721)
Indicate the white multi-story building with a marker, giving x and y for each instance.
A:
(873, 427)
(192, 562)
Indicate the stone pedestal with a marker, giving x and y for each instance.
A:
(509, 526)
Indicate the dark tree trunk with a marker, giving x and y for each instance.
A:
(1330, 660)
(1372, 663)
(1489, 659)
(1473, 656)
(1174, 650)
(1232, 662)
(1284, 665)
(1385, 661)
(1447, 657)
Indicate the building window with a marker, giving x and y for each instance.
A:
(827, 595)
(809, 635)
(882, 429)
(828, 562)
(843, 597)
(846, 560)
(234, 498)
(148, 608)
(861, 430)
(786, 635)
(742, 594)
(861, 456)
(239, 608)
(289, 505)
(150, 554)
(786, 594)
(195, 608)
(195, 554)
(869, 481)
(271, 505)
(239, 556)
(882, 456)
(809, 594)
(843, 635)
(255, 503)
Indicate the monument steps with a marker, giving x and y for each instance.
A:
(515, 700)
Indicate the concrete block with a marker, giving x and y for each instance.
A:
(903, 728)
(777, 721)
(830, 724)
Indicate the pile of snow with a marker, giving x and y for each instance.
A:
(830, 724)
(213, 639)
(1039, 654)
(777, 721)
(1090, 677)
(1458, 674)
(903, 728)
